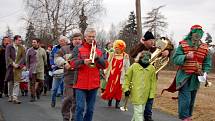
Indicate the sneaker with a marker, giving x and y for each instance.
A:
(10, 99)
(0, 95)
(189, 118)
(186, 119)
(17, 102)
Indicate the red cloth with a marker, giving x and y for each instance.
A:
(23, 85)
(114, 88)
(171, 88)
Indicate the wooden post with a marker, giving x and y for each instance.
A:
(138, 16)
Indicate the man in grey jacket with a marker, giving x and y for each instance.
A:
(62, 58)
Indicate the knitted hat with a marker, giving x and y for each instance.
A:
(196, 27)
(148, 35)
(119, 44)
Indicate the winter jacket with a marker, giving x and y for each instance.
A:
(88, 77)
(64, 55)
(14, 56)
(141, 82)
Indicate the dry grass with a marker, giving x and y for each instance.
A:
(204, 107)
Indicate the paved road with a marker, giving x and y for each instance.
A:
(41, 111)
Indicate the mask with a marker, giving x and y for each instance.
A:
(146, 58)
(198, 34)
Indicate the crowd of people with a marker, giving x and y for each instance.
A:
(76, 69)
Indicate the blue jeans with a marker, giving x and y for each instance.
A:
(82, 96)
(148, 108)
(57, 83)
(186, 100)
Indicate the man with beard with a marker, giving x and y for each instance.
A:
(36, 61)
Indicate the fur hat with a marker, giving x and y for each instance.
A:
(119, 44)
(148, 35)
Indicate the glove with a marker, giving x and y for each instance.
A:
(127, 93)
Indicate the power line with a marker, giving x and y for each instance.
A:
(10, 14)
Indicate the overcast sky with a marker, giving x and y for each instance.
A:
(180, 14)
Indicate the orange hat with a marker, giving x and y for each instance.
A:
(119, 44)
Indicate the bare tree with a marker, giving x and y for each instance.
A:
(155, 21)
(112, 34)
(59, 17)
(101, 37)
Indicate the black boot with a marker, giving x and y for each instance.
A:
(109, 103)
(23, 93)
(26, 92)
(38, 94)
(6, 95)
(45, 90)
(117, 104)
(52, 104)
(148, 118)
(33, 98)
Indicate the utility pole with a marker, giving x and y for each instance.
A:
(138, 16)
(83, 21)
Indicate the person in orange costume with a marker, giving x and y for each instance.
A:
(115, 73)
